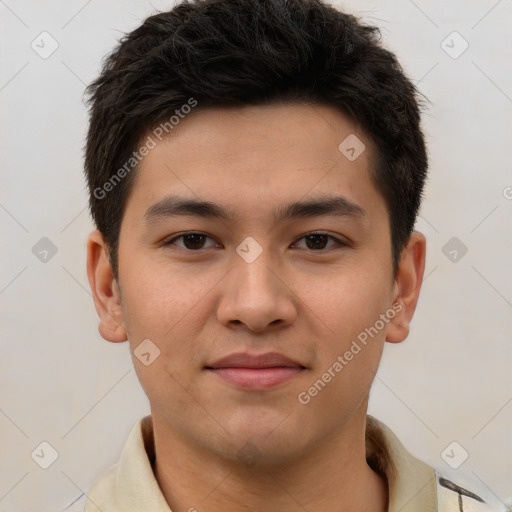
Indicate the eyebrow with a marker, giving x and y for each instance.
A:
(173, 206)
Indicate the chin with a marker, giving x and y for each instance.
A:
(264, 444)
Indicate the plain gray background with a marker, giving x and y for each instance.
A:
(61, 383)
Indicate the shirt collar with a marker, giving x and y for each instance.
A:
(131, 483)
(411, 482)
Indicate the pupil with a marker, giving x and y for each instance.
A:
(315, 239)
(196, 241)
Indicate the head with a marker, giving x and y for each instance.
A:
(218, 118)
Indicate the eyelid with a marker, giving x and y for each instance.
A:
(169, 241)
(340, 240)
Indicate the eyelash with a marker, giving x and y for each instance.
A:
(339, 242)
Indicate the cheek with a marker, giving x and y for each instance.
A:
(346, 302)
(156, 298)
(349, 347)
(169, 308)
(348, 309)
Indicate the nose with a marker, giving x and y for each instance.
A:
(257, 295)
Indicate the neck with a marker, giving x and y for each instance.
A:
(334, 476)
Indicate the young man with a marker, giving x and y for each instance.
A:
(255, 170)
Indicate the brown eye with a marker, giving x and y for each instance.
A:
(191, 241)
(316, 241)
(319, 241)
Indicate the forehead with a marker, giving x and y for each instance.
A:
(304, 129)
(251, 156)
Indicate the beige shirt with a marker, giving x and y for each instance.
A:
(130, 485)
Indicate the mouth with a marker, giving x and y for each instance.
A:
(256, 378)
(255, 372)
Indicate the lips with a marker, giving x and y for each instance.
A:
(244, 360)
(255, 372)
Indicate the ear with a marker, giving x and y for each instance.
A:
(105, 290)
(407, 287)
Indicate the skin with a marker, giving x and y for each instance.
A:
(198, 301)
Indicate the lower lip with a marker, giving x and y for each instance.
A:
(257, 378)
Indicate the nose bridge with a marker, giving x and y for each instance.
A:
(253, 269)
(255, 295)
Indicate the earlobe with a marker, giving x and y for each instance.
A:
(105, 290)
(407, 287)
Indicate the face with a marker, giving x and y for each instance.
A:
(250, 274)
